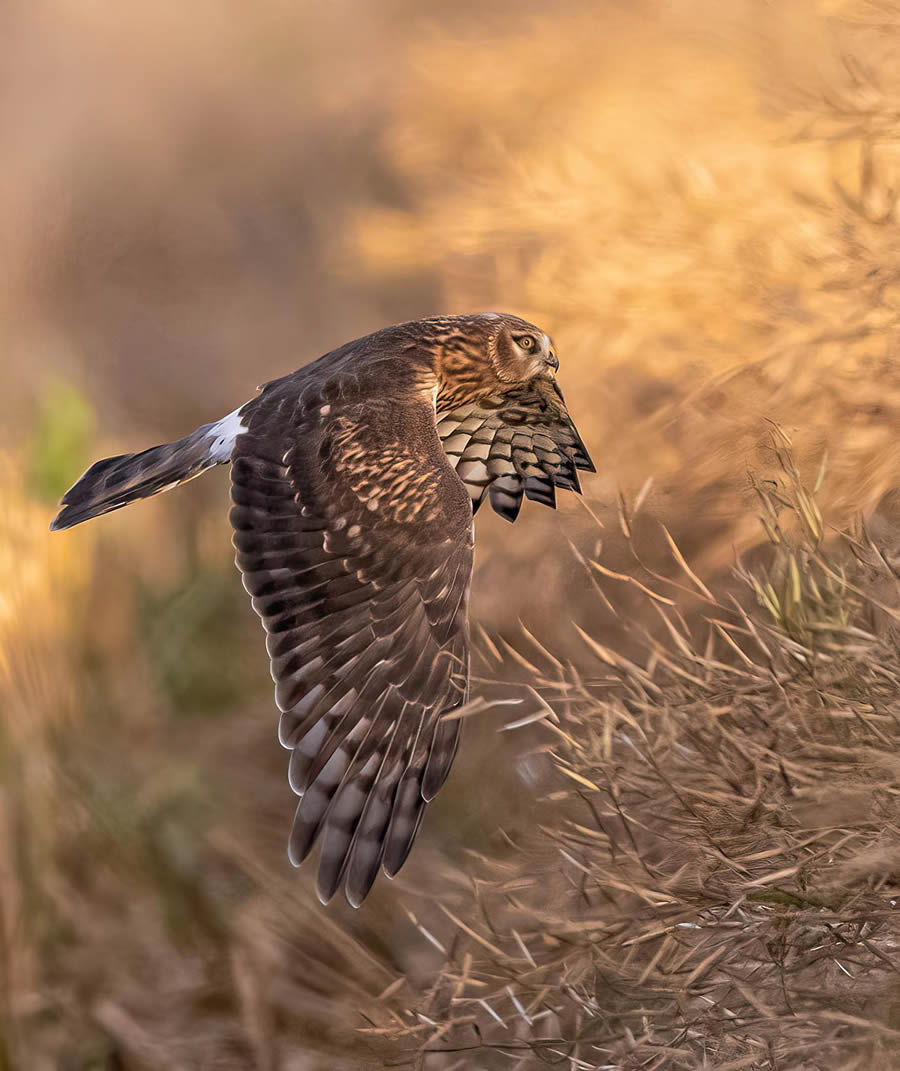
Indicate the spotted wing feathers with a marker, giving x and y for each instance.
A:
(521, 443)
(365, 611)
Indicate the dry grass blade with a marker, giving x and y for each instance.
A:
(692, 576)
(715, 250)
(727, 851)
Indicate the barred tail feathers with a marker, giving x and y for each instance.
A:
(115, 481)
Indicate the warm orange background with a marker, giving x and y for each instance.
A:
(696, 198)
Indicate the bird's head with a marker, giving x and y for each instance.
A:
(519, 351)
(478, 355)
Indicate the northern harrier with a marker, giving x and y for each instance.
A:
(354, 484)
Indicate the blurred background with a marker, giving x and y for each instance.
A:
(697, 198)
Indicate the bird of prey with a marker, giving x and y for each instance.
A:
(354, 482)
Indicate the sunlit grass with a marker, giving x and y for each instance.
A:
(686, 855)
(714, 879)
(705, 263)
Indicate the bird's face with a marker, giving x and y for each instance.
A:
(476, 355)
(519, 351)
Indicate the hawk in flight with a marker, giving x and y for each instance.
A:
(354, 482)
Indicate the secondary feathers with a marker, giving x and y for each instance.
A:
(354, 483)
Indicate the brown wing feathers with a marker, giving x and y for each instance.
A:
(515, 444)
(353, 530)
(365, 613)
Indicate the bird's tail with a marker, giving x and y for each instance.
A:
(115, 481)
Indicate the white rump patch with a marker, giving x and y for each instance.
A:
(224, 434)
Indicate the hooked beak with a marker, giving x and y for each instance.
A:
(550, 359)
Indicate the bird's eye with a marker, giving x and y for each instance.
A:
(526, 342)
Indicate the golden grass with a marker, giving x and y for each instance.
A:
(149, 917)
(688, 847)
(706, 264)
(714, 878)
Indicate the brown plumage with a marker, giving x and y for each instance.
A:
(354, 483)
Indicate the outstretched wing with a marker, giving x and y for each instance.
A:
(354, 539)
(518, 442)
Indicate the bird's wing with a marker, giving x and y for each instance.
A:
(354, 538)
(517, 442)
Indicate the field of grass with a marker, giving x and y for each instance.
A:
(689, 857)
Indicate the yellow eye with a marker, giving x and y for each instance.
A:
(526, 342)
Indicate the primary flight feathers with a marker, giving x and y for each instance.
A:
(354, 483)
